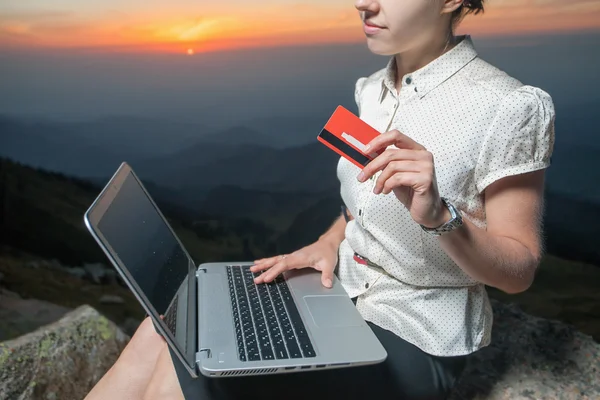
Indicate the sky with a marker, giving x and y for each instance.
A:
(193, 26)
(125, 64)
(85, 60)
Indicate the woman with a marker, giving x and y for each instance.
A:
(452, 204)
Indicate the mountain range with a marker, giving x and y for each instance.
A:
(242, 173)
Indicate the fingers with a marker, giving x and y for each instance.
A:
(393, 137)
(409, 179)
(327, 278)
(274, 266)
(266, 263)
(381, 161)
(393, 168)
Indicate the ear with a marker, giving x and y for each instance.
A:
(449, 6)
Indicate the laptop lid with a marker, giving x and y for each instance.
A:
(141, 244)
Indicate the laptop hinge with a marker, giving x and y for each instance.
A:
(203, 354)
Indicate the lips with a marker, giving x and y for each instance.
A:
(372, 28)
(373, 25)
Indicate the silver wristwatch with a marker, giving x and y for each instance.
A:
(454, 222)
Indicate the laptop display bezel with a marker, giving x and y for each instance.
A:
(94, 215)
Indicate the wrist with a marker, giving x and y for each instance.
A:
(330, 241)
(441, 216)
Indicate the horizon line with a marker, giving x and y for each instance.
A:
(266, 43)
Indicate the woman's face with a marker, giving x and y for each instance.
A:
(394, 26)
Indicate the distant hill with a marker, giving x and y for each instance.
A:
(54, 147)
(308, 168)
(42, 213)
(276, 209)
(94, 148)
(239, 136)
(91, 149)
(310, 224)
(578, 124)
(571, 227)
(575, 168)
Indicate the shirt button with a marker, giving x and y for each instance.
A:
(408, 80)
(367, 285)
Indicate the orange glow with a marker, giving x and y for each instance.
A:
(166, 30)
(510, 20)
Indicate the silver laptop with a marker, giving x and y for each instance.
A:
(213, 316)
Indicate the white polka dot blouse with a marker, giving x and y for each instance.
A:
(481, 125)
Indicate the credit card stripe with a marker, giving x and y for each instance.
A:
(344, 147)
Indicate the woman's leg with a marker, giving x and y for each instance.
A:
(130, 375)
(163, 384)
(414, 374)
(408, 373)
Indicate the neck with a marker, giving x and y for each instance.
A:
(421, 55)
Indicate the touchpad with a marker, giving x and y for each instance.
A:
(333, 311)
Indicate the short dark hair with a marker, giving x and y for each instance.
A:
(467, 7)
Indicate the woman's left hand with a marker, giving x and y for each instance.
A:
(408, 170)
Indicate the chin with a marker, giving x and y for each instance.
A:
(379, 47)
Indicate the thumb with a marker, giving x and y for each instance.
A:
(327, 277)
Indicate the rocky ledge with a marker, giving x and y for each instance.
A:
(63, 360)
(529, 358)
(532, 358)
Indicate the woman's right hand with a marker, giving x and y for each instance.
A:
(321, 255)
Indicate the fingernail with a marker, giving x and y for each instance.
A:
(376, 190)
(361, 177)
(328, 283)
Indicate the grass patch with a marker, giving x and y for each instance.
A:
(65, 290)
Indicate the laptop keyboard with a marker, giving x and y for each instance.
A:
(268, 325)
(170, 317)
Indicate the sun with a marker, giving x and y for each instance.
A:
(190, 52)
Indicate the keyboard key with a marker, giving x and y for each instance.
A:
(266, 320)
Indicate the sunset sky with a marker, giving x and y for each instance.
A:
(196, 26)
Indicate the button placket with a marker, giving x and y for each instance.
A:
(395, 107)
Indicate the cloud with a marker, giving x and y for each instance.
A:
(35, 15)
(114, 24)
(15, 28)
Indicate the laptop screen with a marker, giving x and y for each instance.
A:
(145, 244)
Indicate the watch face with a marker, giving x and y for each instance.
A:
(455, 221)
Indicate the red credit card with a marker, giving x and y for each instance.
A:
(347, 135)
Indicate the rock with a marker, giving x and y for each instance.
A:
(8, 293)
(76, 272)
(111, 299)
(532, 358)
(110, 276)
(20, 316)
(130, 325)
(95, 272)
(63, 360)
(33, 264)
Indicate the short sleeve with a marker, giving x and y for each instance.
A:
(358, 88)
(520, 138)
